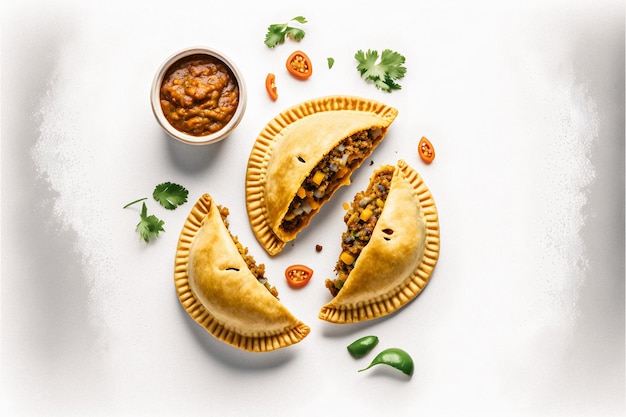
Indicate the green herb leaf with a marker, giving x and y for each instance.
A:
(170, 195)
(278, 32)
(274, 37)
(294, 33)
(149, 226)
(299, 19)
(331, 62)
(384, 72)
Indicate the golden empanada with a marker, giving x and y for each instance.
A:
(224, 290)
(303, 156)
(389, 249)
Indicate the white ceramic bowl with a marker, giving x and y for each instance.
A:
(155, 97)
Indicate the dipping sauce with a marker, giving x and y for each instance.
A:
(199, 95)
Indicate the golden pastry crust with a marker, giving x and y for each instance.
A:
(397, 262)
(293, 144)
(217, 289)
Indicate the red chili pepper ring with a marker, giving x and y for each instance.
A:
(426, 150)
(299, 65)
(298, 275)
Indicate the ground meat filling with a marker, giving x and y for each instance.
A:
(257, 270)
(325, 178)
(360, 219)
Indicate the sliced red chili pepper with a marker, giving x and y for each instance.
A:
(299, 65)
(298, 275)
(270, 86)
(426, 150)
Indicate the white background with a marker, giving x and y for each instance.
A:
(524, 315)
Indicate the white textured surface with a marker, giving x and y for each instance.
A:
(524, 315)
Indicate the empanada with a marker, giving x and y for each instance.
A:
(303, 156)
(223, 289)
(389, 249)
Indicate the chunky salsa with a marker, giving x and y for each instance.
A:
(199, 95)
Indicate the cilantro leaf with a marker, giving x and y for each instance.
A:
(170, 195)
(387, 84)
(149, 226)
(384, 72)
(294, 33)
(393, 63)
(367, 61)
(274, 37)
(278, 32)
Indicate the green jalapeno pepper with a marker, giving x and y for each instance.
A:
(362, 346)
(394, 357)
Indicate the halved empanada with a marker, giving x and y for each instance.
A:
(389, 249)
(223, 289)
(303, 156)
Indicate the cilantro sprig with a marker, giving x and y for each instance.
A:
(384, 72)
(278, 32)
(169, 195)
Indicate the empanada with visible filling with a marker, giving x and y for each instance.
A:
(303, 156)
(389, 249)
(223, 289)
